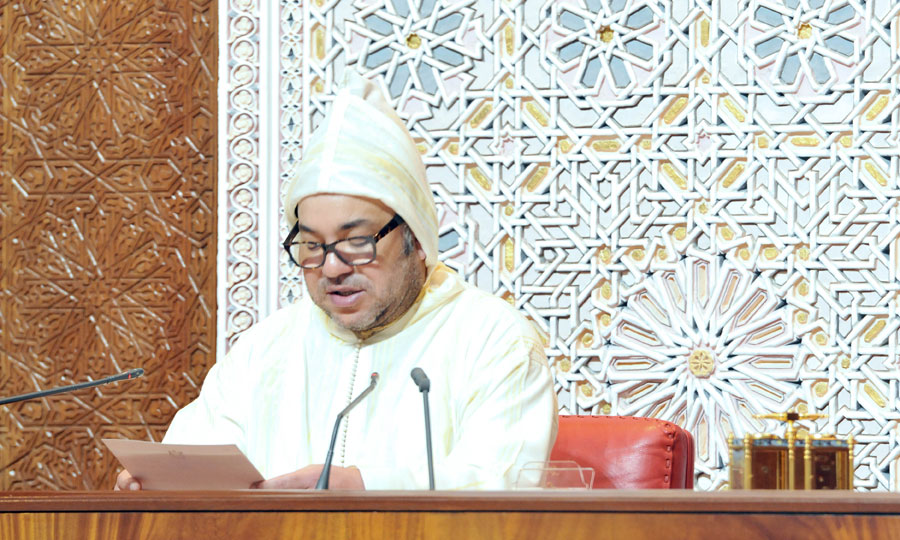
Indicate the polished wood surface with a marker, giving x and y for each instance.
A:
(571, 515)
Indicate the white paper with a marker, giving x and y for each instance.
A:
(185, 466)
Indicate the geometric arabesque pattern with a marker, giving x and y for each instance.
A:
(697, 202)
(239, 98)
(107, 227)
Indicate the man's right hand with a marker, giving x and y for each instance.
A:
(126, 482)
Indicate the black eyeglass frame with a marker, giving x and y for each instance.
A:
(373, 239)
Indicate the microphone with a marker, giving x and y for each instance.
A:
(421, 380)
(130, 374)
(326, 471)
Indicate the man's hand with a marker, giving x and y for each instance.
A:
(306, 478)
(126, 482)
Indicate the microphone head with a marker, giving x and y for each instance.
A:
(374, 378)
(421, 380)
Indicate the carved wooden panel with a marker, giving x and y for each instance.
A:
(107, 208)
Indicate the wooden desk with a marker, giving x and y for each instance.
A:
(548, 515)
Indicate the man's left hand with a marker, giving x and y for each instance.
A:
(306, 478)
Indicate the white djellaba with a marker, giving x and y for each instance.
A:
(277, 392)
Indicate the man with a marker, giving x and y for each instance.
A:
(365, 234)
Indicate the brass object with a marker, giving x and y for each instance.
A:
(768, 461)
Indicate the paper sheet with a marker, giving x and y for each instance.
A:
(185, 466)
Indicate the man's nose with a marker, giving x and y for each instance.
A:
(334, 267)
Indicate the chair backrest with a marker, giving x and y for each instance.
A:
(627, 452)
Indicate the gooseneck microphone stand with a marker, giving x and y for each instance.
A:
(424, 384)
(130, 374)
(326, 471)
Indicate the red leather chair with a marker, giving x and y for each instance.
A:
(627, 452)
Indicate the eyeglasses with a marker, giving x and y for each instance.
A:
(355, 251)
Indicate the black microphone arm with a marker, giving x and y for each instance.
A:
(130, 374)
(421, 380)
(326, 470)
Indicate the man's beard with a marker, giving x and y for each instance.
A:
(400, 297)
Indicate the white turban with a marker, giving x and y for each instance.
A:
(362, 148)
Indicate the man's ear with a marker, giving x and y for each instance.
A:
(420, 251)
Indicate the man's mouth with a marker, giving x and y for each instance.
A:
(344, 297)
